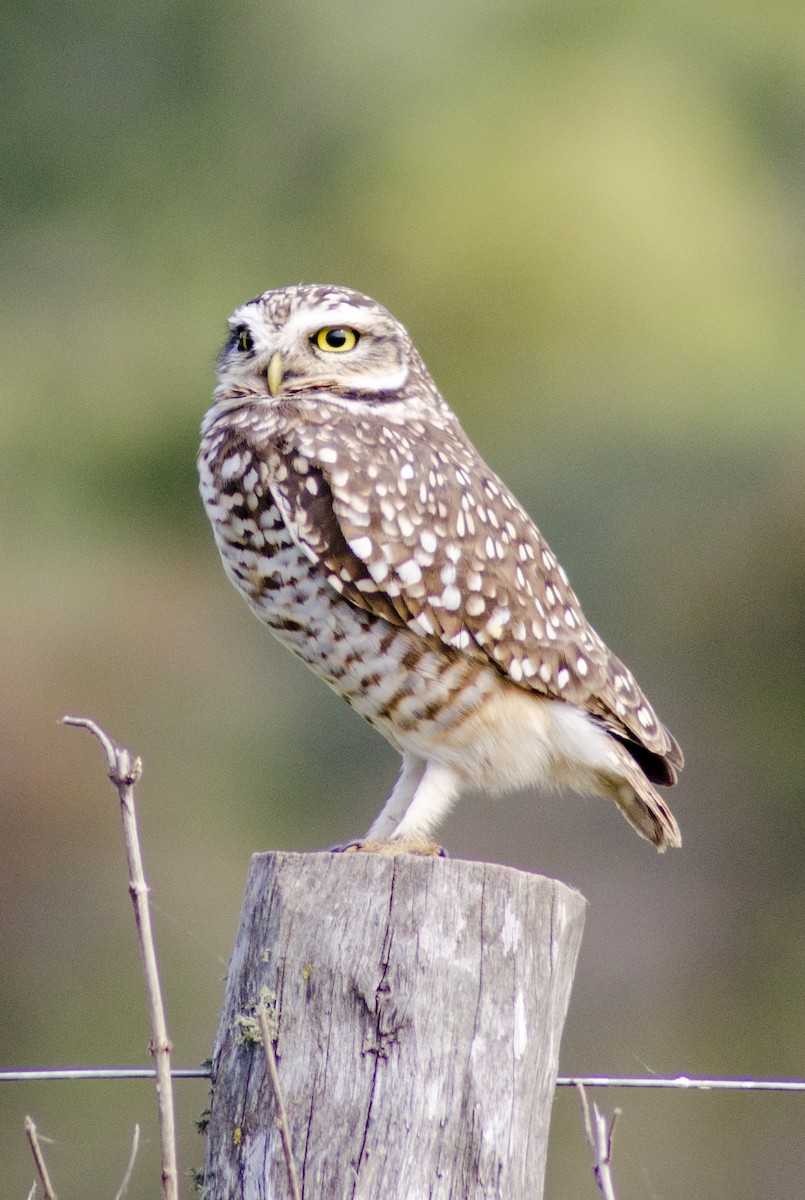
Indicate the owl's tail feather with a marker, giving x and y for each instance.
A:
(644, 809)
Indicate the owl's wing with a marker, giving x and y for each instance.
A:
(426, 535)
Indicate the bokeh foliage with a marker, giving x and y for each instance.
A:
(591, 218)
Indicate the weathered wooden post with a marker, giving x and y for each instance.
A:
(419, 1005)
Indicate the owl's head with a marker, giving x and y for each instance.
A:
(318, 338)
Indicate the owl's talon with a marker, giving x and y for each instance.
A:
(417, 846)
(345, 847)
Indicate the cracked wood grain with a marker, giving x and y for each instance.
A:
(420, 1005)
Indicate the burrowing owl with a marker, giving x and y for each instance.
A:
(363, 527)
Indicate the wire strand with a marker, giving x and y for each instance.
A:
(685, 1083)
(48, 1074)
(680, 1082)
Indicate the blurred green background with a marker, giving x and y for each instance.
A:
(591, 217)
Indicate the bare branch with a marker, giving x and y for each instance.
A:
(135, 1145)
(124, 771)
(39, 1159)
(32, 1193)
(599, 1136)
(282, 1116)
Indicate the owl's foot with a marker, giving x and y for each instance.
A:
(419, 846)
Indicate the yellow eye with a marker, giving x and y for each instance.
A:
(338, 338)
(243, 338)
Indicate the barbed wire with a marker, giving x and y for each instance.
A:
(680, 1082)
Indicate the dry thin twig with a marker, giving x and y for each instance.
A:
(282, 1116)
(135, 1145)
(41, 1165)
(124, 771)
(599, 1135)
(39, 1159)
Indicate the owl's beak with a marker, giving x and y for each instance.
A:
(276, 370)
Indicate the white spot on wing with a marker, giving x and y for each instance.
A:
(422, 624)
(460, 640)
(451, 598)
(378, 570)
(409, 571)
(361, 547)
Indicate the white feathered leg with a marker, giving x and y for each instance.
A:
(387, 820)
(437, 790)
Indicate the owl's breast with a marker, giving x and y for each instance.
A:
(411, 689)
(282, 586)
(286, 590)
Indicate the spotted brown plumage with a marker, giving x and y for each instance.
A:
(365, 530)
